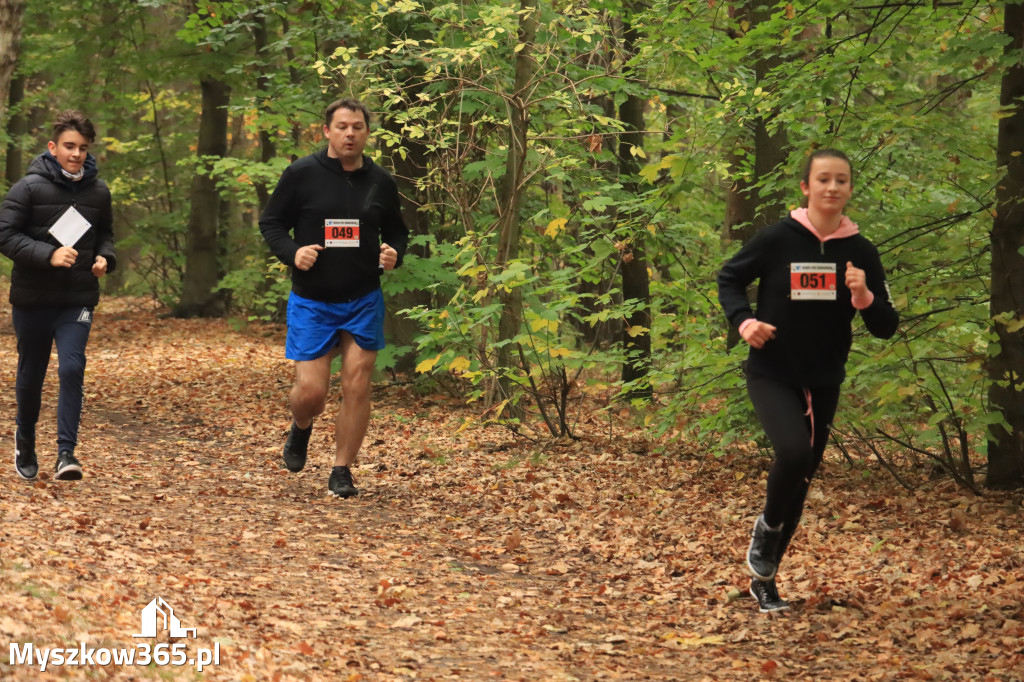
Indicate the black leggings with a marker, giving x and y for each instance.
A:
(783, 412)
(37, 330)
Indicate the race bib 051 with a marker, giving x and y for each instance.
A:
(340, 232)
(812, 281)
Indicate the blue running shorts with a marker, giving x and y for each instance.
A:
(315, 327)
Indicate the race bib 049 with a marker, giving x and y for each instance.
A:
(812, 281)
(339, 232)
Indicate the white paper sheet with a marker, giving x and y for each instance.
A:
(70, 227)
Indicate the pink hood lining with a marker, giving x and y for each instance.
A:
(847, 228)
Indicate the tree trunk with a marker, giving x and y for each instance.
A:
(509, 230)
(747, 209)
(770, 149)
(408, 168)
(1006, 368)
(413, 165)
(112, 126)
(12, 92)
(11, 12)
(268, 150)
(17, 128)
(636, 286)
(198, 295)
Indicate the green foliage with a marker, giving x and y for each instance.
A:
(444, 76)
(909, 91)
(443, 80)
(912, 96)
(260, 287)
(552, 354)
(417, 273)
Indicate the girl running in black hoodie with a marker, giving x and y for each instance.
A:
(815, 271)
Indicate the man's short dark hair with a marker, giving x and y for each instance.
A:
(73, 120)
(346, 103)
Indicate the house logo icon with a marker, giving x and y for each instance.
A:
(153, 613)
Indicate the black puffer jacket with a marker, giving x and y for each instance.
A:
(31, 207)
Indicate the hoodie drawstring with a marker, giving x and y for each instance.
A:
(809, 413)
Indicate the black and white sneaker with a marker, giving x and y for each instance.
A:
(763, 554)
(295, 448)
(340, 483)
(767, 596)
(68, 468)
(25, 462)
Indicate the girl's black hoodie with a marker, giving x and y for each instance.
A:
(813, 333)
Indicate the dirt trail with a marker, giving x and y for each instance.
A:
(467, 555)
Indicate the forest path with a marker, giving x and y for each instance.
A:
(467, 554)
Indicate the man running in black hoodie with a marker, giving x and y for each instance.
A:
(335, 219)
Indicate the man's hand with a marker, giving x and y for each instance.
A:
(306, 256)
(99, 267)
(856, 281)
(388, 257)
(64, 257)
(757, 333)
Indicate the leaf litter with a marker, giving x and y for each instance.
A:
(467, 555)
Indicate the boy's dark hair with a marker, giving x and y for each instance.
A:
(827, 152)
(73, 120)
(346, 103)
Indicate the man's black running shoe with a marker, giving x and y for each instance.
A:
(295, 448)
(340, 483)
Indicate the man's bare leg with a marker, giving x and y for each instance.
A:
(354, 415)
(308, 399)
(309, 393)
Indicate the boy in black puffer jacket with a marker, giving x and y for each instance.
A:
(55, 281)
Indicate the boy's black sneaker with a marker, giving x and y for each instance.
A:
(763, 554)
(25, 462)
(68, 468)
(295, 448)
(340, 483)
(767, 596)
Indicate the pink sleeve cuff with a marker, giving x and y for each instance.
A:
(862, 302)
(746, 323)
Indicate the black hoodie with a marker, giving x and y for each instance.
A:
(30, 208)
(315, 189)
(812, 336)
